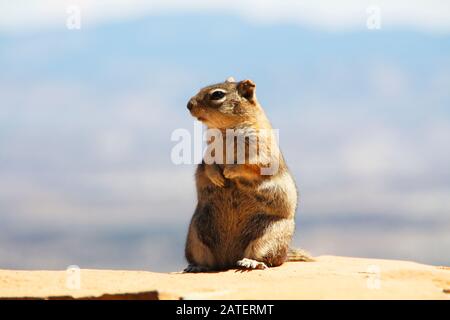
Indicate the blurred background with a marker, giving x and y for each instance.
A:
(360, 91)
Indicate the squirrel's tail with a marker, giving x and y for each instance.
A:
(299, 255)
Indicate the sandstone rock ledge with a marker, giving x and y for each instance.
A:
(328, 278)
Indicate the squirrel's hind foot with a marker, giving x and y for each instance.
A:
(193, 268)
(251, 264)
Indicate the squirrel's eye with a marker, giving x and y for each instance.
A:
(217, 95)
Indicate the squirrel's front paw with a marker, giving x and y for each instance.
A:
(231, 172)
(216, 177)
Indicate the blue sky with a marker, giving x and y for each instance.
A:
(86, 117)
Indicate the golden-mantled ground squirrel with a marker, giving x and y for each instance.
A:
(243, 219)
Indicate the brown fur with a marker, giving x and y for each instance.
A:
(240, 213)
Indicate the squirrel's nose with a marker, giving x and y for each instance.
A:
(190, 105)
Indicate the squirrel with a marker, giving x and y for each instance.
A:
(243, 219)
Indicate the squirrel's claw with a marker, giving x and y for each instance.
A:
(216, 177)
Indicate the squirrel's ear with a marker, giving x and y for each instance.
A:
(230, 79)
(246, 89)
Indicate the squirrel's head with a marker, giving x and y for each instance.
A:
(225, 105)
